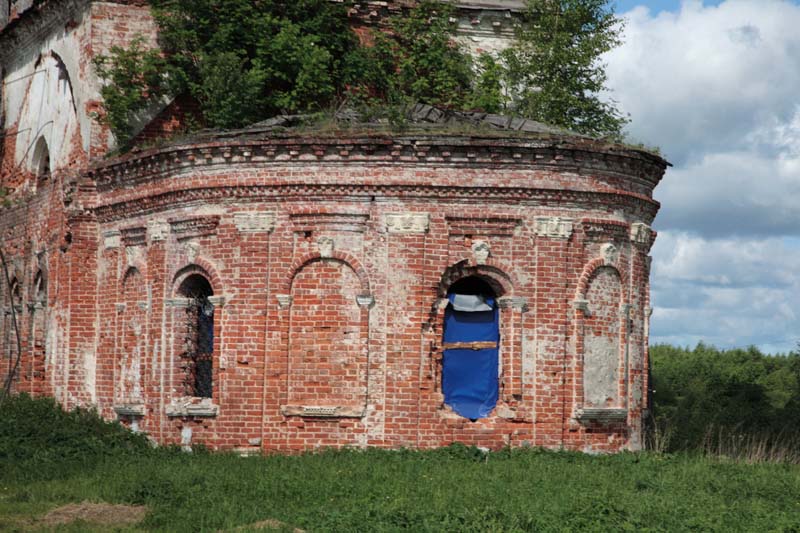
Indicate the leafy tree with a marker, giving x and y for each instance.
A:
(135, 77)
(703, 391)
(553, 69)
(246, 60)
(419, 59)
(489, 92)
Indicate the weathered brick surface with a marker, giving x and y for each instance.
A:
(329, 259)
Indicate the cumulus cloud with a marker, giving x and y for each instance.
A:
(701, 79)
(728, 292)
(717, 88)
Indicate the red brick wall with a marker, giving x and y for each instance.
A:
(329, 260)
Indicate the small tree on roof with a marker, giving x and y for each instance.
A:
(554, 69)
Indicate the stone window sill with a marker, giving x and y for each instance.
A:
(318, 411)
(198, 407)
(130, 409)
(600, 414)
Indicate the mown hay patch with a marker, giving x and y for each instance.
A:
(268, 525)
(104, 514)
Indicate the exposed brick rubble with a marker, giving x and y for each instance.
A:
(317, 263)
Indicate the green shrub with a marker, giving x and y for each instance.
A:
(245, 61)
(705, 394)
(39, 432)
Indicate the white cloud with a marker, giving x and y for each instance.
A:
(703, 78)
(718, 89)
(728, 292)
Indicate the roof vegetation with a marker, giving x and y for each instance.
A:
(245, 61)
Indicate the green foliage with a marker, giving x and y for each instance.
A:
(488, 92)
(702, 392)
(49, 457)
(419, 60)
(135, 77)
(245, 61)
(37, 435)
(554, 70)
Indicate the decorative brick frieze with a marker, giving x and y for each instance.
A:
(194, 227)
(483, 226)
(417, 150)
(114, 210)
(134, 236)
(407, 222)
(553, 227)
(349, 222)
(605, 230)
(254, 222)
(111, 239)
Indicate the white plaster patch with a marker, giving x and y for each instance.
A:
(553, 227)
(254, 222)
(407, 222)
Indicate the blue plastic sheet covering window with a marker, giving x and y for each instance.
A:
(470, 376)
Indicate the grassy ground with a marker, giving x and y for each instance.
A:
(453, 489)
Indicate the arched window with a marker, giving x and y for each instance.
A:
(199, 336)
(41, 160)
(13, 311)
(471, 340)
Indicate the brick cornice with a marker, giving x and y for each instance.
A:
(152, 203)
(567, 154)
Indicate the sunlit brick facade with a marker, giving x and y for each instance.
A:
(313, 270)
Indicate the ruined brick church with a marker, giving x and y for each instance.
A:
(271, 289)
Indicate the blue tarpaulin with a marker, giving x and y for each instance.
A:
(469, 380)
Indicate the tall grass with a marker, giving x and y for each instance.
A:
(751, 448)
(457, 488)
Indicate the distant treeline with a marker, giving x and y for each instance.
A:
(701, 393)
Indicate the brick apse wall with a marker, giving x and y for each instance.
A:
(287, 291)
(326, 263)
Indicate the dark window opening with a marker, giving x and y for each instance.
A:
(41, 157)
(471, 340)
(41, 289)
(472, 285)
(199, 336)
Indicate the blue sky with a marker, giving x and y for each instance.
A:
(716, 85)
(656, 5)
